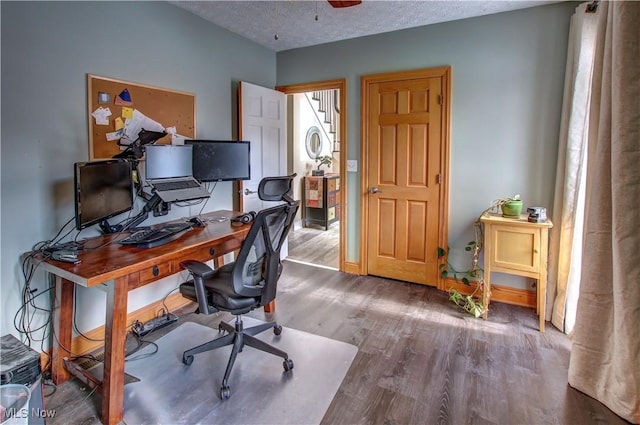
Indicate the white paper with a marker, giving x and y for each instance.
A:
(116, 135)
(102, 115)
(177, 139)
(133, 126)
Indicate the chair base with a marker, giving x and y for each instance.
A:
(239, 337)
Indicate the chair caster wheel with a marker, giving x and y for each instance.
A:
(225, 393)
(277, 329)
(187, 360)
(288, 365)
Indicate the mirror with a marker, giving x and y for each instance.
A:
(313, 142)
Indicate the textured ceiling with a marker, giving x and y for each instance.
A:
(295, 24)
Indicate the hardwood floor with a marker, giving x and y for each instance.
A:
(420, 360)
(314, 245)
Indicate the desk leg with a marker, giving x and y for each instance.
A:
(542, 281)
(542, 290)
(271, 307)
(63, 325)
(486, 290)
(114, 349)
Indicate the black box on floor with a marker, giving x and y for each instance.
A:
(20, 364)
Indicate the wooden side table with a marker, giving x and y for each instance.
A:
(516, 246)
(321, 200)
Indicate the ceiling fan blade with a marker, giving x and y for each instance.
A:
(339, 3)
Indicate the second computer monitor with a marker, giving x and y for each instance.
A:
(220, 160)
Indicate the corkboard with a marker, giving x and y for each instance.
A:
(170, 108)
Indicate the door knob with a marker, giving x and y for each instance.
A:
(374, 190)
(249, 192)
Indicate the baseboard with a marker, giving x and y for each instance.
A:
(80, 345)
(503, 294)
(499, 293)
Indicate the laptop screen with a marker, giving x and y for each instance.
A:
(166, 161)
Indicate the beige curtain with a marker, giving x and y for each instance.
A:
(565, 247)
(605, 356)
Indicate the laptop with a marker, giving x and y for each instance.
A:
(168, 170)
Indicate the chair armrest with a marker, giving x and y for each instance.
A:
(197, 268)
(200, 271)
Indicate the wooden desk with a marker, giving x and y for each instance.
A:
(120, 269)
(516, 246)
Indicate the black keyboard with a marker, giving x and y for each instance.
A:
(150, 238)
(184, 184)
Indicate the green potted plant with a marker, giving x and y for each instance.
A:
(322, 160)
(511, 207)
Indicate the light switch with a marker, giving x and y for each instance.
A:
(352, 165)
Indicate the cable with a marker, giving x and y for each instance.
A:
(143, 197)
(27, 312)
(166, 309)
(189, 203)
(22, 311)
(49, 383)
(81, 403)
(207, 200)
(25, 315)
(141, 342)
(62, 228)
(75, 326)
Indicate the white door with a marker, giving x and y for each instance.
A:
(263, 122)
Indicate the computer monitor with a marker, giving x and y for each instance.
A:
(103, 189)
(221, 160)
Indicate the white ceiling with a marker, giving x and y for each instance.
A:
(295, 24)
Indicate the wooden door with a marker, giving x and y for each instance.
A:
(405, 199)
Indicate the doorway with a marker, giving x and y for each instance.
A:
(317, 130)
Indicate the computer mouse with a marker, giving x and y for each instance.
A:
(197, 222)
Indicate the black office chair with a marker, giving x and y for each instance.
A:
(247, 283)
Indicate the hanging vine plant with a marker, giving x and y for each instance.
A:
(471, 303)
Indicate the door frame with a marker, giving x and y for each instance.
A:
(365, 82)
(339, 84)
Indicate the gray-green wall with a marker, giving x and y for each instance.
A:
(48, 48)
(507, 84)
(508, 73)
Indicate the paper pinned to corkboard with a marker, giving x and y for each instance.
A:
(169, 108)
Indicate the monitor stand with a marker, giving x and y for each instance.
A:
(151, 205)
(108, 228)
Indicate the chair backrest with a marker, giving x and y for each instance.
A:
(258, 267)
(276, 188)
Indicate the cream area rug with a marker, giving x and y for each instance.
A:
(170, 392)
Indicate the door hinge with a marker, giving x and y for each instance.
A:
(440, 99)
(439, 179)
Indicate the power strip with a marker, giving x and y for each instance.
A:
(142, 329)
